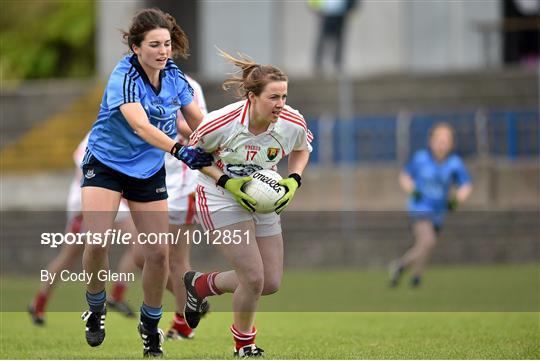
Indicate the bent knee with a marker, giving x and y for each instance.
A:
(157, 257)
(271, 287)
(254, 283)
(430, 243)
(95, 250)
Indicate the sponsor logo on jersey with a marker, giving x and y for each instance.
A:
(272, 153)
(252, 147)
(242, 170)
(222, 152)
(90, 174)
(161, 190)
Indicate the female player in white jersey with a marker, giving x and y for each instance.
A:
(252, 134)
(136, 123)
(70, 253)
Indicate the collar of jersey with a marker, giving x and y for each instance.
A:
(245, 122)
(135, 62)
(434, 159)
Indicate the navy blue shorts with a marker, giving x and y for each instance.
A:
(437, 227)
(97, 174)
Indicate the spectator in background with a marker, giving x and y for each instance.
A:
(427, 178)
(522, 32)
(333, 15)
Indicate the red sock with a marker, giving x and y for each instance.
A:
(76, 224)
(243, 339)
(118, 290)
(206, 286)
(180, 325)
(40, 301)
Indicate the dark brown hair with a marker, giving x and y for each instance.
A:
(150, 19)
(254, 76)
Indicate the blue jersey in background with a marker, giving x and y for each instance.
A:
(433, 181)
(112, 140)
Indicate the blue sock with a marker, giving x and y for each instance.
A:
(96, 301)
(150, 317)
(415, 281)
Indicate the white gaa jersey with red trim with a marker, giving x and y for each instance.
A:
(78, 155)
(181, 180)
(74, 206)
(225, 133)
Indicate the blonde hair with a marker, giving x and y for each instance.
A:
(254, 77)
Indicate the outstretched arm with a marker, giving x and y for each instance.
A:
(138, 120)
(406, 182)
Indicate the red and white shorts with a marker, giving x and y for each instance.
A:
(216, 208)
(181, 189)
(182, 210)
(74, 208)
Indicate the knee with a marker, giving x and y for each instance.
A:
(430, 243)
(426, 247)
(271, 286)
(254, 282)
(95, 251)
(157, 257)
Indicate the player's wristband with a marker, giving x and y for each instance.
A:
(175, 148)
(222, 180)
(297, 178)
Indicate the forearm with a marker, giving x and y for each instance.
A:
(213, 172)
(184, 130)
(155, 137)
(463, 193)
(406, 182)
(193, 115)
(298, 160)
(138, 121)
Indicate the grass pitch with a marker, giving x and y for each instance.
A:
(358, 318)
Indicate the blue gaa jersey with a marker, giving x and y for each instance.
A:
(112, 140)
(433, 181)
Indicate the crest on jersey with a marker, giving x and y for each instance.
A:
(272, 153)
(90, 174)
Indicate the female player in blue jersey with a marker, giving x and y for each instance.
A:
(427, 178)
(125, 158)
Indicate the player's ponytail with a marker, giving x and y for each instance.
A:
(150, 19)
(254, 76)
(180, 42)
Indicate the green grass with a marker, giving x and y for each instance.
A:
(368, 327)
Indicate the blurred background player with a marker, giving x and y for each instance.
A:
(71, 253)
(136, 124)
(181, 182)
(427, 178)
(244, 136)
